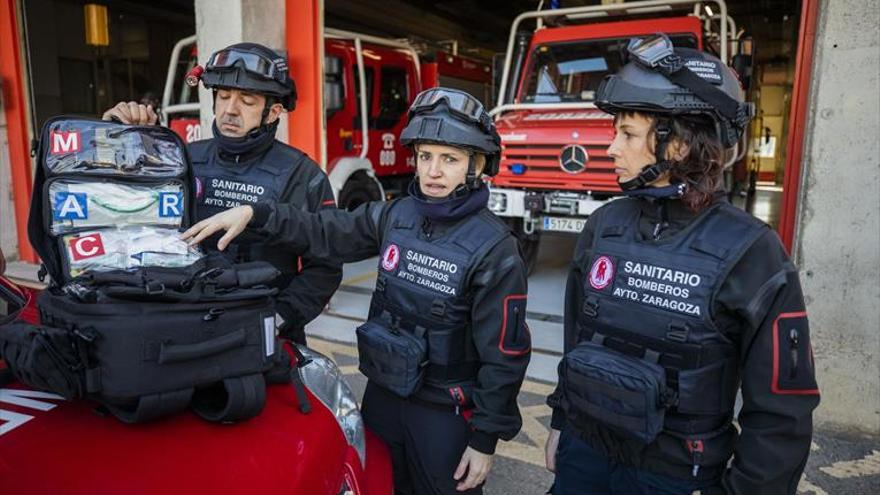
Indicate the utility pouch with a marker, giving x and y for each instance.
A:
(391, 357)
(618, 391)
(42, 357)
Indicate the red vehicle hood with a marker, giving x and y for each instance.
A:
(48, 445)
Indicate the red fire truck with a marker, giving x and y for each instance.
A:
(369, 83)
(555, 170)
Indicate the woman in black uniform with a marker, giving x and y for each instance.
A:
(445, 346)
(674, 299)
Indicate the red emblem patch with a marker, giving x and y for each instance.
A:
(65, 142)
(391, 257)
(602, 273)
(87, 246)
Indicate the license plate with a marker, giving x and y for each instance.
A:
(563, 224)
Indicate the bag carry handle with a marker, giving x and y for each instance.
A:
(175, 353)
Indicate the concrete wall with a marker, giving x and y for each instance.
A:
(220, 23)
(838, 243)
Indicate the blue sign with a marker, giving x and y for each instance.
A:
(170, 204)
(70, 206)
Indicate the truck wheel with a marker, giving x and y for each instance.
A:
(359, 189)
(528, 244)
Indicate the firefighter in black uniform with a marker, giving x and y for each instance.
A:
(445, 346)
(675, 300)
(244, 164)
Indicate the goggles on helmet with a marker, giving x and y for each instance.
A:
(252, 62)
(651, 50)
(460, 104)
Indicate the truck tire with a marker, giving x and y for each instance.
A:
(528, 244)
(359, 189)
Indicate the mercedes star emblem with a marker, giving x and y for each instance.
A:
(573, 158)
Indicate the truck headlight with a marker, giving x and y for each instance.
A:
(497, 202)
(323, 378)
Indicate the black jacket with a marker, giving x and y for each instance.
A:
(357, 235)
(776, 416)
(304, 290)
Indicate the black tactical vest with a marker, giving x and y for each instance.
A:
(221, 185)
(654, 300)
(424, 284)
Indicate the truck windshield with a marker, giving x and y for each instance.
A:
(572, 71)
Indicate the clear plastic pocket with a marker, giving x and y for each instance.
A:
(76, 204)
(125, 248)
(107, 148)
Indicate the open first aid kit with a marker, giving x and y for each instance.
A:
(109, 196)
(133, 317)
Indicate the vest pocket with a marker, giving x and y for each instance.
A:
(617, 391)
(707, 390)
(393, 358)
(793, 356)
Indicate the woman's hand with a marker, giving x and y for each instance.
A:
(476, 465)
(550, 450)
(132, 112)
(233, 221)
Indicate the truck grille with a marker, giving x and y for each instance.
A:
(541, 162)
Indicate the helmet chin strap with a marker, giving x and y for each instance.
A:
(652, 172)
(471, 180)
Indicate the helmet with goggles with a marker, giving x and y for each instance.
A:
(677, 82)
(674, 82)
(251, 67)
(454, 118)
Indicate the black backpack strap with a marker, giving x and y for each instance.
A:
(152, 406)
(234, 399)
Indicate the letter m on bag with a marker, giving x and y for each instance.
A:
(65, 142)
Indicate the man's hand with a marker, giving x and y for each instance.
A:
(550, 450)
(132, 113)
(233, 221)
(476, 464)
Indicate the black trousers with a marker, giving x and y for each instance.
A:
(426, 442)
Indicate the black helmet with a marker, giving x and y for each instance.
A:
(454, 118)
(251, 67)
(677, 82)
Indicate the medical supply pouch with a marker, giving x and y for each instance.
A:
(392, 357)
(104, 180)
(124, 248)
(78, 204)
(621, 392)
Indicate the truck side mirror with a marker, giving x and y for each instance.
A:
(334, 91)
(497, 72)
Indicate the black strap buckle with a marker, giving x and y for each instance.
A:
(153, 288)
(438, 308)
(380, 284)
(677, 332)
(591, 308)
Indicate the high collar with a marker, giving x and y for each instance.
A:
(243, 149)
(662, 217)
(452, 208)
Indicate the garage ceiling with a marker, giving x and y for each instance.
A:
(485, 24)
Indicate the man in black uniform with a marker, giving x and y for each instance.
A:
(245, 164)
(675, 298)
(445, 346)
